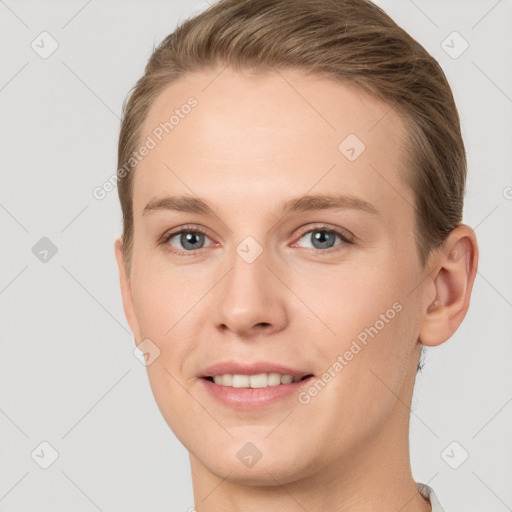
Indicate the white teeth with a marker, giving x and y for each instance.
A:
(240, 381)
(260, 380)
(274, 379)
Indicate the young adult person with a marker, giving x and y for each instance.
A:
(291, 177)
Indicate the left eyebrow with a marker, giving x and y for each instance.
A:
(325, 202)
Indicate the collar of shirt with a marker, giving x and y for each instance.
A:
(429, 493)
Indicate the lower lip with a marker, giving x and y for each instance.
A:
(252, 398)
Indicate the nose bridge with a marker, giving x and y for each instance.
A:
(249, 297)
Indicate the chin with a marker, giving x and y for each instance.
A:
(242, 462)
(262, 474)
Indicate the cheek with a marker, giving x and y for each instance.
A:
(163, 296)
(370, 364)
(168, 302)
(353, 297)
(163, 305)
(375, 326)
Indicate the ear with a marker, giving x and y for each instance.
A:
(126, 292)
(451, 283)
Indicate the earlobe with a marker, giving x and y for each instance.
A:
(126, 291)
(453, 280)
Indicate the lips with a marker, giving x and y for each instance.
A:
(253, 386)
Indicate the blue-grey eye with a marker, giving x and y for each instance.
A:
(189, 240)
(321, 238)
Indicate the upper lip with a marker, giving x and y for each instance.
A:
(243, 368)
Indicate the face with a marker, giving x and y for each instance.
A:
(259, 278)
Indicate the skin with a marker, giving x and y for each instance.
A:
(252, 143)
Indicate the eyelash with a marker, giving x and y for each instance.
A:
(345, 237)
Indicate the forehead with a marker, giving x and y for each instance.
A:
(252, 136)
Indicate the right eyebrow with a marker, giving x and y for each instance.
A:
(180, 204)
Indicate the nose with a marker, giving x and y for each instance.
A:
(252, 300)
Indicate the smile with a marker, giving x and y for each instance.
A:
(260, 380)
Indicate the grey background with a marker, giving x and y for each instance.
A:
(68, 375)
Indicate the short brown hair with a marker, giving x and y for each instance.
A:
(353, 41)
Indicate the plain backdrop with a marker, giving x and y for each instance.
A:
(68, 376)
